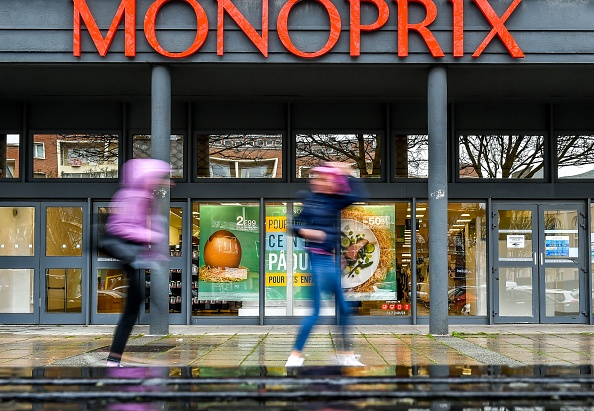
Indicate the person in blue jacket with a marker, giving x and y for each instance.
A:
(332, 188)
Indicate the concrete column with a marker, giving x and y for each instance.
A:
(160, 140)
(437, 100)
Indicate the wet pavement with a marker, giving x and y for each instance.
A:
(510, 367)
(269, 346)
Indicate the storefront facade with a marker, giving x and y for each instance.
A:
(253, 110)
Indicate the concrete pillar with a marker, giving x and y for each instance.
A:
(437, 100)
(160, 140)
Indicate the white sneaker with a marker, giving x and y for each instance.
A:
(349, 360)
(294, 361)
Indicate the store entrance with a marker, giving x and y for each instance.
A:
(539, 264)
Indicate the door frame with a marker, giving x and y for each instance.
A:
(66, 262)
(181, 262)
(538, 262)
(26, 262)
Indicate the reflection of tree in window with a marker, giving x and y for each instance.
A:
(361, 150)
(411, 155)
(501, 156)
(238, 155)
(575, 151)
(76, 155)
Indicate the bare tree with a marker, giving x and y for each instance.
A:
(501, 156)
(363, 150)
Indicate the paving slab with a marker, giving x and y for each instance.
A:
(200, 345)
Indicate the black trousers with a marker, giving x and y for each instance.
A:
(128, 318)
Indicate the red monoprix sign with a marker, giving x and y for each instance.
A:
(127, 12)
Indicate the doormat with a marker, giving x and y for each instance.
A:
(140, 348)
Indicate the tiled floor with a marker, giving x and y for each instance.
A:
(24, 346)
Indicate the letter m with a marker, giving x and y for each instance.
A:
(127, 8)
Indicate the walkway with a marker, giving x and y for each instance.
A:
(231, 346)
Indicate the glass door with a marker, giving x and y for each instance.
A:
(538, 263)
(178, 270)
(110, 283)
(19, 263)
(63, 263)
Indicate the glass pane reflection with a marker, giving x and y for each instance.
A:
(9, 155)
(112, 290)
(63, 290)
(501, 156)
(17, 228)
(16, 291)
(362, 151)
(64, 230)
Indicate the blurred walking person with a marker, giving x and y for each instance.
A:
(331, 189)
(130, 228)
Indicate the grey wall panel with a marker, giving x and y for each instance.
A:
(11, 116)
(338, 116)
(409, 117)
(504, 117)
(139, 115)
(239, 116)
(574, 117)
(75, 116)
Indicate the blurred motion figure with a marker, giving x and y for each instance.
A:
(331, 189)
(131, 226)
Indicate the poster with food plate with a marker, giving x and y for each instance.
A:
(229, 252)
(368, 251)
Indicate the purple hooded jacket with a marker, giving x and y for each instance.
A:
(131, 204)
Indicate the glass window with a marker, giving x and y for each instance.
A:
(467, 258)
(39, 150)
(16, 287)
(374, 278)
(363, 151)
(75, 156)
(288, 268)
(17, 227)
(141, 148)
(176, 294)
(63, 290)
(575, 156)
(226, 248)
(63, 233)
(238, 156)
(372, 249)
(9, 155)
(501, 156)
(176, 277)
(112, 290)
(411, 154)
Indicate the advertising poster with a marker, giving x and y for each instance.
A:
(276, 257)
(368, 252)
(229, 252)
(277, 263)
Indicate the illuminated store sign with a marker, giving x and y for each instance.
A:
(127, 12)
